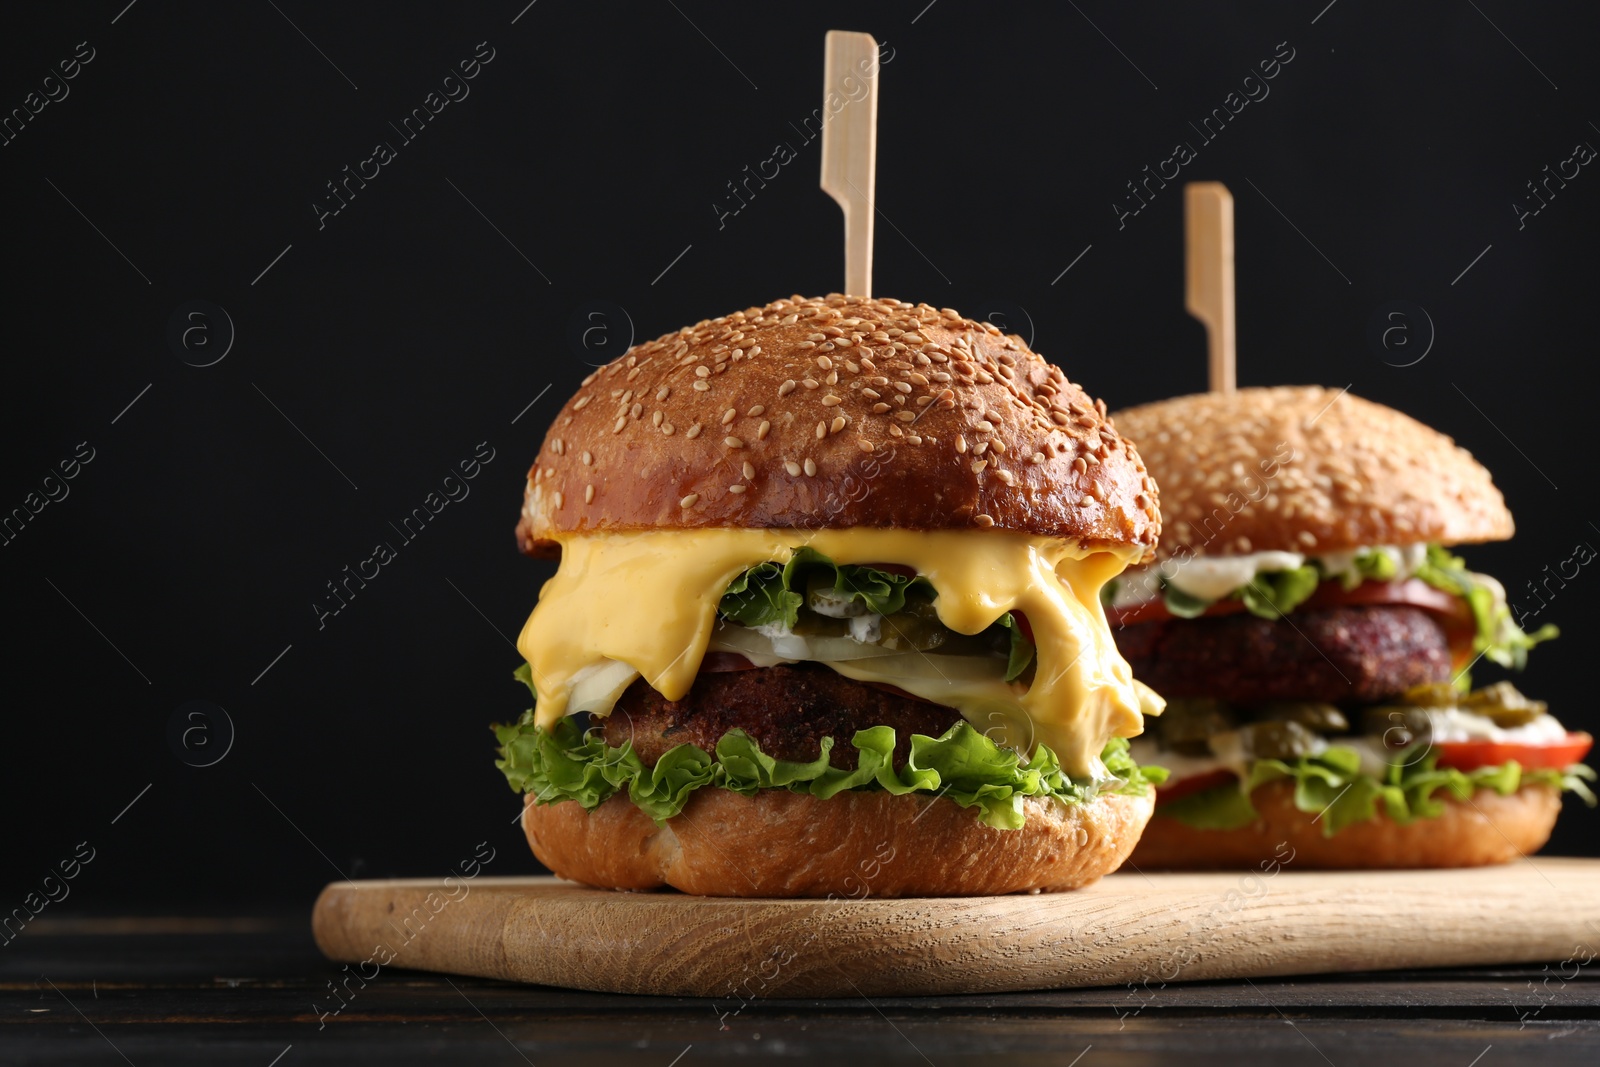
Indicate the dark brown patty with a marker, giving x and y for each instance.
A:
(1338, 655)
(788, 709)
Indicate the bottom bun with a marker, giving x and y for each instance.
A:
(854, 844)
(1487, 829)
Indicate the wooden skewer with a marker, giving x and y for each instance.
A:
(850, 146)
(1208, 293)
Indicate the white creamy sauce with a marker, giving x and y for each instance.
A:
(1214, 577)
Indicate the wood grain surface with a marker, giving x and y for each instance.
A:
(1130, 928)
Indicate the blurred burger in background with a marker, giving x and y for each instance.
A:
(1313, 635)
(827, 619)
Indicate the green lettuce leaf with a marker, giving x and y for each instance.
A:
(774, 593)
(1021, 648)
(1273, 594)
(1371, 566)
(1499, 637)
(1182, 604)
(568, 764)
(1332, 787)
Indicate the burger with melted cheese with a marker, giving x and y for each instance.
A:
(827, 617)
(1314, 636)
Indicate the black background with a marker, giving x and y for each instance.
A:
(382, 347)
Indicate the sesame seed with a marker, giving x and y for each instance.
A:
(839, 422)
(588, 494)
(786, 388)
(581, 403)
(655, 418)
(978, 465)
(702, 371)
(792, 467)
(822, 430)
(906, 416)
(749, 470)
(621, 422)
(588, 458)
(984, 520)
(809, 383)
(755, 410)
(701, 387)
(824, 362)
(810, 468)
(664, 392)
(983, 446)
(873, 393)
(961, 444)
(667, 428)
(864, 444)
(560, 500)
(737, 488)
(868, 366)
(1005, 476)
(761, 431)
(998, 445)
(694, 431)
(733, 442)
(879, 409)
(689, 501)
(1084, 502)
(830, 401)
(728, 416)
(1038, 457)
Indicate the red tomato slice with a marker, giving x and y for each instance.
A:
(1452, 610)
(1469, 755)
(1195, 783)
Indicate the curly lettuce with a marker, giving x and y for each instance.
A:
(567, 763)
(1499, 638)
(1332, 786)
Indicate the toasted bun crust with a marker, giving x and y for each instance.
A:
(833, 413)
(1489, 829)
(1307, 469)
(783, 844)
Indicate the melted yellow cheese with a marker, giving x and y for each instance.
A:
(648, 599)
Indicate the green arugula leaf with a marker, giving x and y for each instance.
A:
(964, 765)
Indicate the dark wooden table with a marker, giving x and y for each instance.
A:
(243, 990)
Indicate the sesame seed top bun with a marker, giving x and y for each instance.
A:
(835, 413)
(1308, 469)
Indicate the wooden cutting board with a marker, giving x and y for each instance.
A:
(1129, 928)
